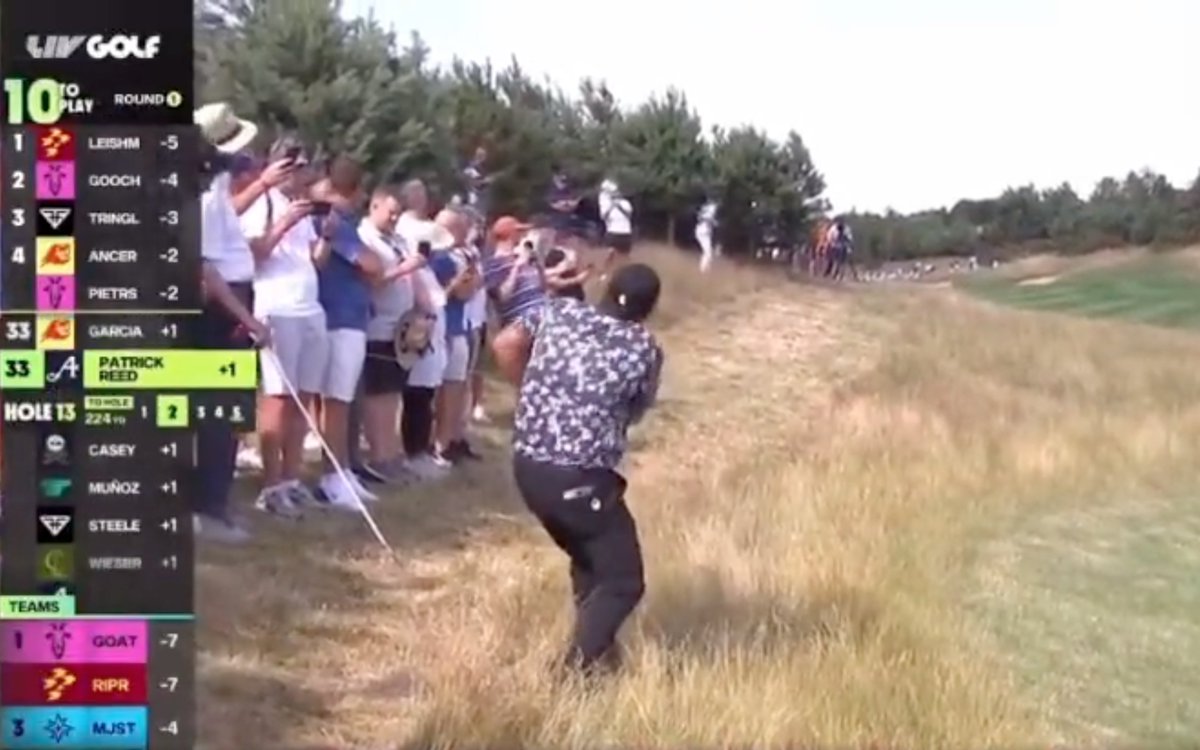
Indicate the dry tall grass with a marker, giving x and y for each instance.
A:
(815, 496)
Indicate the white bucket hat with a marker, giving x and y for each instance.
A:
(224, 129)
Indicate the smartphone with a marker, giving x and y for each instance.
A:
(321, 208)
(424, 248)
(293, 153)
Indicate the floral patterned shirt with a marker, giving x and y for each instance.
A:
(590, 376)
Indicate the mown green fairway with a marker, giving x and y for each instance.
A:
(1156, 292)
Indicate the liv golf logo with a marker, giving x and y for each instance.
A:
(97, 47)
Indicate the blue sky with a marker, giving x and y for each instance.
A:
(904, 103)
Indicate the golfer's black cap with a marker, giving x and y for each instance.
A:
(634, 290)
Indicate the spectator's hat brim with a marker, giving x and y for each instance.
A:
(224, 129)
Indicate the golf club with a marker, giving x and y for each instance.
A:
(337, 466)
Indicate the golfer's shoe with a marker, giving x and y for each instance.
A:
(276, 501)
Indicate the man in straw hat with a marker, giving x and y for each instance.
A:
(228, 273)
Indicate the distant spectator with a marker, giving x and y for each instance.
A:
(478, 183)
(706, 224)
(617, 214)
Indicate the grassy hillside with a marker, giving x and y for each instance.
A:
(1156, 290)
(872, 518)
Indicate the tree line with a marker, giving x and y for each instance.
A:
(348, 85)
(1143, 209)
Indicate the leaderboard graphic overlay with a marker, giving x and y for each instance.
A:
(102, 391)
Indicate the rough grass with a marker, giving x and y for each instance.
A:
(858, 512)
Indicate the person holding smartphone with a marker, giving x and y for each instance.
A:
(344, 285)
(519, 281)
(287, 255)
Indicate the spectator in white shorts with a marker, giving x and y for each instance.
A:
(344, 290)
(286, 254)
(460, 279)
(426, 375)
(393, 294)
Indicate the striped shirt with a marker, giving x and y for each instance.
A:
(528, 291)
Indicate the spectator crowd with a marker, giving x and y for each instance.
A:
(372, 309)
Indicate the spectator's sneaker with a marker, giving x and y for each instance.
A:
(394, 472)
(371, 473)
(360, 488)
(249, 459)
(220, 530)
(337, 494)
(300, 495)
(367, 473)
(462, 449)
(428, 466)
(275, 500)
(312, 442)
(479, 415)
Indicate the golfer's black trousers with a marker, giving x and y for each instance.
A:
(585, 514)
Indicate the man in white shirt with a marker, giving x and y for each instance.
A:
(287, 256)
(394, 293)
(617, 214)
(426, 375)
(228, 272)
(706, 224)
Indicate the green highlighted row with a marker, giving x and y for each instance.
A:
(146, 369)
(60, 607)
(36, 607)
